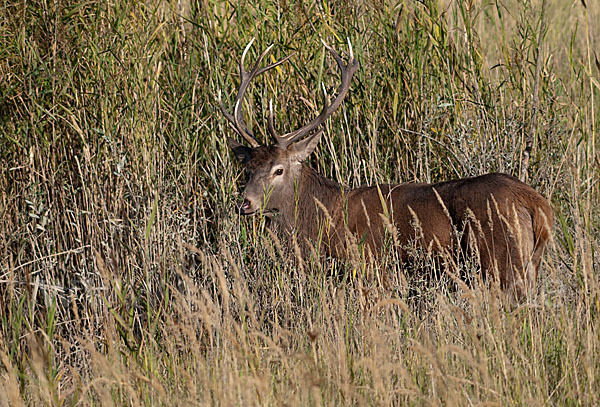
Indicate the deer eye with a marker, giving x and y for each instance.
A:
(278, 171)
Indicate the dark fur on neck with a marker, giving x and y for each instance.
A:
(306, 217)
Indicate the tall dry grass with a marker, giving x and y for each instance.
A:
(126, 277)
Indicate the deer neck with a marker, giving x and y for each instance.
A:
(316, 199)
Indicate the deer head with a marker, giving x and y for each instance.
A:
(272, 171)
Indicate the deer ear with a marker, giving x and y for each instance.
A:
(241, 151)
(303, 148)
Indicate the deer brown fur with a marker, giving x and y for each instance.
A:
(496, 217)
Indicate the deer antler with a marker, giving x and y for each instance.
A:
(347, 70)
(237, 119)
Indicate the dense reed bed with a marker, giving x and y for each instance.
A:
(127, 277)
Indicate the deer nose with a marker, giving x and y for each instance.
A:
(245, 209)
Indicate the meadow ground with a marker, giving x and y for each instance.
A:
(127, 278)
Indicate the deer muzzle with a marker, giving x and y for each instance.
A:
(246, 207)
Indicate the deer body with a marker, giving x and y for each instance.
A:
(499, 219)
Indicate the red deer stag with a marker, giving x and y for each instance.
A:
(506, 223)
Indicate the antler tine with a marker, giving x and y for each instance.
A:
(255, 71)
(228, 116)
(240, 125)
(243, 59)
(270, 125)
(237, 119)
(350, 48)
(347, 71)
(233, 125)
